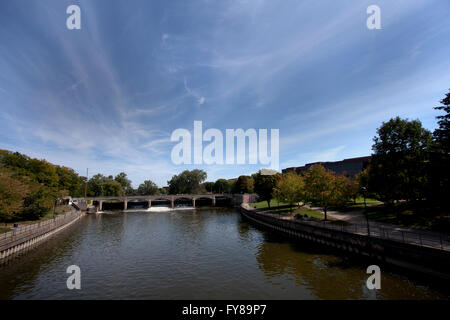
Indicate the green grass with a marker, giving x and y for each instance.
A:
(4, 230)
(360, 203)
(263, 204)
(284, 210)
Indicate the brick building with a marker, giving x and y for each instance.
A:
(349, 167)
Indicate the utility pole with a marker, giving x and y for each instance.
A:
(364, 191)
(86, 183)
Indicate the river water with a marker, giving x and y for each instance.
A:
(191, 254)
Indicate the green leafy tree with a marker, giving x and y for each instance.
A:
(222, 186)
(37, 204)
(353, 186)
(325, 189)
(442, 133)
(209, 186)
(96, 184)
(162, 191)
(264, 185)
(290, 188)
(243, 184)
(438, 165)
(44, 172)
(125, 183)
(147, 188)
(187, 182)
(69, 180)
(398, 165)
(12, 193)
(112, 188)
(319, 184)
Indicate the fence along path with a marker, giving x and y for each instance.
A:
(416, 237)
(26, 232)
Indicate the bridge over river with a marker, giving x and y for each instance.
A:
(172, 199)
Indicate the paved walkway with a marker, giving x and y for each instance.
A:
(357, 217)
(358, 225)
(396, 232)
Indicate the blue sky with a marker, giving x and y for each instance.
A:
(108, 96)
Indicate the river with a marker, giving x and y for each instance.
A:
(191, 254)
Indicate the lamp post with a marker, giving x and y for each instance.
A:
(364, 191)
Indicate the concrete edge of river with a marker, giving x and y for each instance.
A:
(423, 260)
(22, 238)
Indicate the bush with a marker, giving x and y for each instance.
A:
(37, 205)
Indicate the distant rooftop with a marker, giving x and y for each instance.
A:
(350, 166)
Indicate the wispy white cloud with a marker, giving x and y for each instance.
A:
(200, 99)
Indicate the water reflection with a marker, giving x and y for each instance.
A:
(330, 275)
(189, 254)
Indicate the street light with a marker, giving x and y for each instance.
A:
(364, 191)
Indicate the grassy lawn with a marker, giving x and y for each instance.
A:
(351, 206)
(263, 204)
(360, 203)
(285, 210)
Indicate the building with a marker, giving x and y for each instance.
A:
(349, 167)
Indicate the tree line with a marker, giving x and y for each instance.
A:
(30, 187)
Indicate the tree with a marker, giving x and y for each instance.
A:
(222, 186)
(290, 188)
(96, 184)
(162, 190)
(438, 165)
(187, 182)
(37, 204)
(442, 133)
(326, 189)
(69, 180)
(398, 164)
(112, 188)
(12, 193)
(147, 188)
(243, 184)
(125, 183)
(209, 186)
(44, 172)
(264, 185)
(353, 187)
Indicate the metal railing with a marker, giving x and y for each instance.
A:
(415, 237)
(23, 232)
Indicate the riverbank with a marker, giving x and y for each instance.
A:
(25, 236)
(412, 251)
